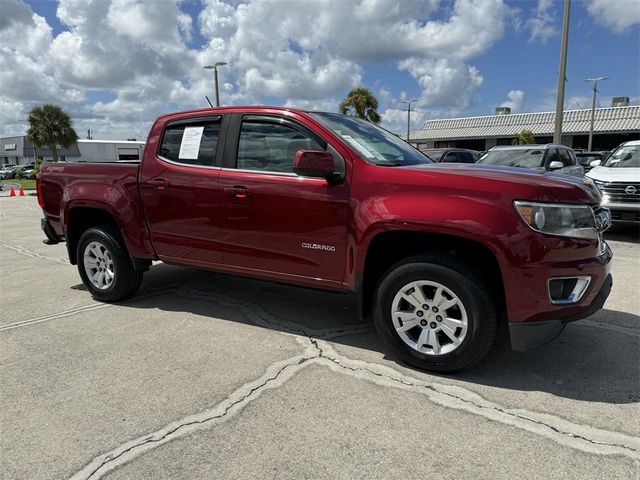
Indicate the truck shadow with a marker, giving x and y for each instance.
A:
(595, 360)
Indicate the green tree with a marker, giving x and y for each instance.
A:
(50, 126)
(524, 137)
(361, 103)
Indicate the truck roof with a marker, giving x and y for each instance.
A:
(238, 108)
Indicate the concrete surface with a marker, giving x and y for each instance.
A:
(207, 376)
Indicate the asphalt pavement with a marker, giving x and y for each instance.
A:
(205, 376)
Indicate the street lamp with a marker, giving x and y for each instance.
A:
(595, 81)
(562, 74)
(408, 102)
(215, 77)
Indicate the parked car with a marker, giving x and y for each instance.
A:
(8, 171)
(618, 178)
(550, 157)
(25, 171)
(452, 155)
(585, 158)
(437, 254)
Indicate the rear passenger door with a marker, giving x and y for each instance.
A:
(180, 193)
(276, 223)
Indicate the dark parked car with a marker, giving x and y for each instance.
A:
(452, 155)
(585, 158)
(549, 157)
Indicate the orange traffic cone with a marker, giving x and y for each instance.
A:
(12, 192)
(21, 191)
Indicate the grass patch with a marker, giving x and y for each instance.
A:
(26, 183)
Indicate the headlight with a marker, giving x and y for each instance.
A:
(575, 221)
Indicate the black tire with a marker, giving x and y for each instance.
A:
(126, 280)
(469, 288)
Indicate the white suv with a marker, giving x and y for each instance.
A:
(618, 178)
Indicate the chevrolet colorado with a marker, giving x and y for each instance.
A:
(439, 255)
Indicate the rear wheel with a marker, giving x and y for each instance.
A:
(105, 266)
(435, 313)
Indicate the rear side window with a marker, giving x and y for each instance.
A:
(192, 143)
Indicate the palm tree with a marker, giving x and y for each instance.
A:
(50, 126)
(524, 137)
(361, 103)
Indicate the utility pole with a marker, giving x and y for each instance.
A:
(595, 81)
(214, 67)
(557, 133)
(408, 102)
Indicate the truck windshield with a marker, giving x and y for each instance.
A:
(527, 158)
(625, 156)
(373, 143)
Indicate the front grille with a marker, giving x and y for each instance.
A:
(620, 192)
(624, 216)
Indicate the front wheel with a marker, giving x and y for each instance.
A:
(435, 313)
(105, 266)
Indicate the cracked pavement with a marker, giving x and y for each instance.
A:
(207, 376)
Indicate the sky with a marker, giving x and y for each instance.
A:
(115, 65)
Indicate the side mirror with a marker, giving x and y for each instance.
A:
(313, 163)
(556, 165)
(595, 163)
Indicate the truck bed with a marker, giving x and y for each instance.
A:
(68, 189)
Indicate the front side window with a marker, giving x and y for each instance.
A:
(434, 155)
(451, 157)
(564, 157)
(521, 157)
(192, 143)
(271, 147)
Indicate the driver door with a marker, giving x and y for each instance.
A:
(274, 220)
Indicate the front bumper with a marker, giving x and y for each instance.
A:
(530, 335)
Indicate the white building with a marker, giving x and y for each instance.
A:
(109, 150)
(19, 151)
(612, 126)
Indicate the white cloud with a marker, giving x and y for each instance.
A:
(448, 86)
(300, 53)
(515, 101)
(542, 23)
(395, 119)
(616, 14)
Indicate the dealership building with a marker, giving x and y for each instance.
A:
(20, 150)
(612, 126)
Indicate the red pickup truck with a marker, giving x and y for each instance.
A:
(439, 255)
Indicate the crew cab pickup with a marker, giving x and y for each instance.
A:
(440, 255)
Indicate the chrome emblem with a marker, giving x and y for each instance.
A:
(630, 190)
(603, 219)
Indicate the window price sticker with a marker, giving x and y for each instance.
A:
(190, 145)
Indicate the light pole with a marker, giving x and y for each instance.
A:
(215, 77)
(595, 81)
(408, 102)
(557, 132)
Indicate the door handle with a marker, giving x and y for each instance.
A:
(238, 191)
(158, 183)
